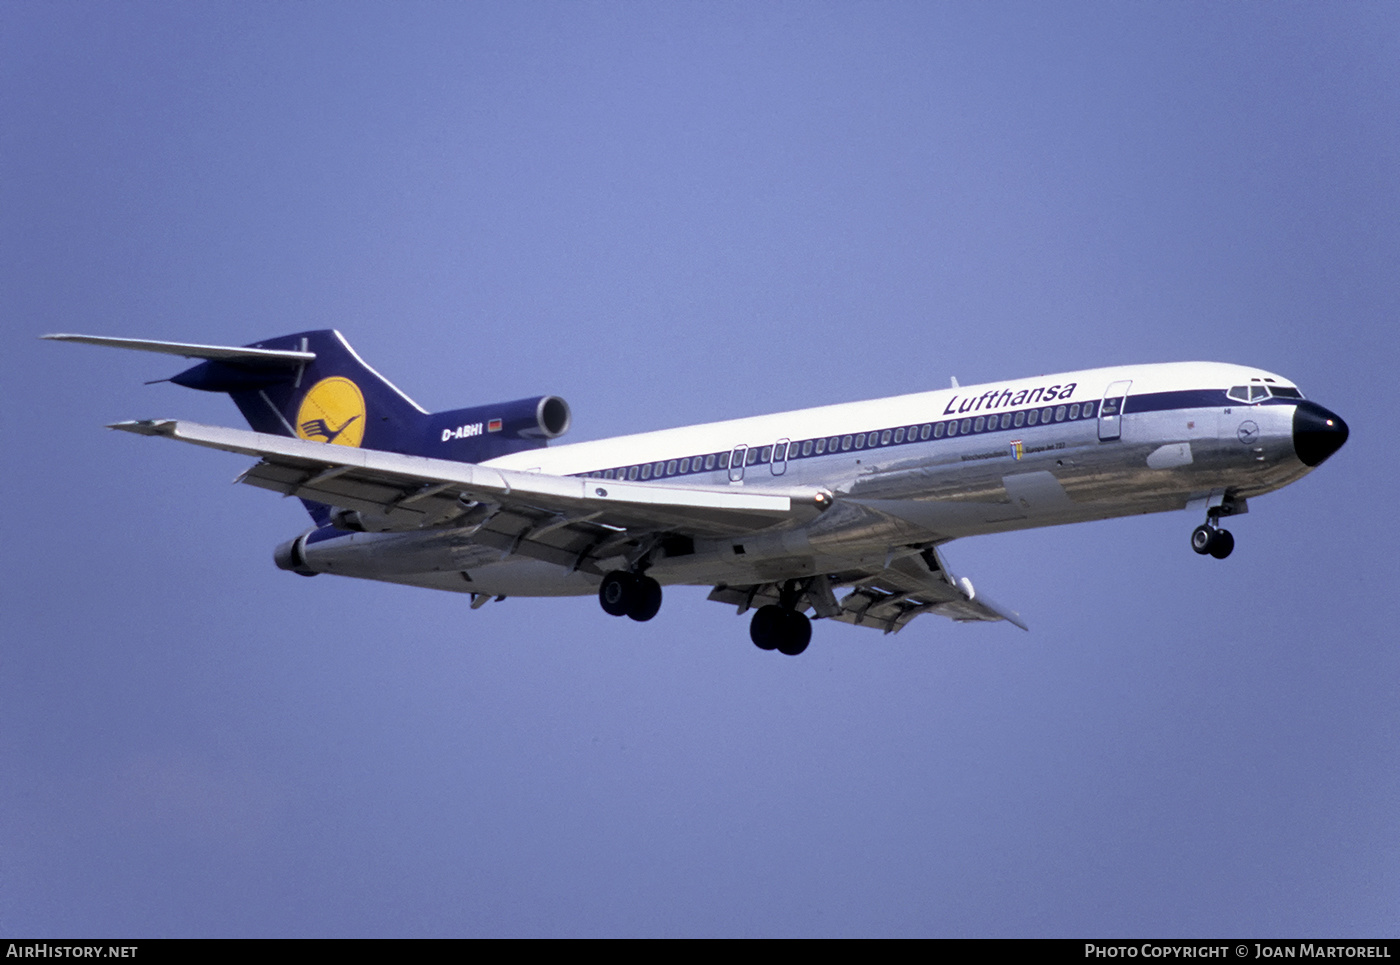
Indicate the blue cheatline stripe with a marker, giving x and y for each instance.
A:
(1188, 399)
(1016, 420)
(1197, 399)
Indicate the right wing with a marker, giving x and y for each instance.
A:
(887, 598)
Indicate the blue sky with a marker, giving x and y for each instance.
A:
(667, 214)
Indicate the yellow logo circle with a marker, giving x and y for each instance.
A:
(332, 411)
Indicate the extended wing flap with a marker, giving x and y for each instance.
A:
(554, 537)
(364, 495)
(389, 482)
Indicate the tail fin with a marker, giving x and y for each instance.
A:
(312, 385)
(331, 397)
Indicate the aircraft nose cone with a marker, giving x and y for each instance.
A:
(1317, 433)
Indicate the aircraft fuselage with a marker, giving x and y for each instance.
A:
(914, 470)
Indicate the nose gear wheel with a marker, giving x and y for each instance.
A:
(1208, 540)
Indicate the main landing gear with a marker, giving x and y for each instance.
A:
(630, 594)
(776, 628)
(1211, 539)
(781, 626)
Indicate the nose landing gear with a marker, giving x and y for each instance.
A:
(1210, 539)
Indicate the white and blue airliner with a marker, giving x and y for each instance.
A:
(838, 512)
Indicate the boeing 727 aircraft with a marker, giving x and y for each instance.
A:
(839, 510)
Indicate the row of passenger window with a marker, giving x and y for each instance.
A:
(878, 438)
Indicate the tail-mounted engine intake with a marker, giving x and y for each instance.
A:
(486, 431)
(552, 418)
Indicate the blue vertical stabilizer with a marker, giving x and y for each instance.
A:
(313, 386)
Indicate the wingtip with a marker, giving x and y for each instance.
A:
(1010, 616)
(144, 427)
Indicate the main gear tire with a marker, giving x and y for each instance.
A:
(645, 602)
(617, 592)
(765, 629)
(797, 633)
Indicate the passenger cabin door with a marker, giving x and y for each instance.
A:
(780, 454)
(1111, 410)
(736, 463)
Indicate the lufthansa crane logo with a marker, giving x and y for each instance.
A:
(333, 411)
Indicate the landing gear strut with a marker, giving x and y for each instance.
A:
(781, 626)
(630, 594)
(1210, 539)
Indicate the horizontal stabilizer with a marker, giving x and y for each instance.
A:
(190, 350)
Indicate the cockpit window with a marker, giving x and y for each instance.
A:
(1258, 393)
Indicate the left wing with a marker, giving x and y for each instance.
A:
(561, 519)
(887, 598)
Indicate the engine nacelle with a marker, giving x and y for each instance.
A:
(548, 418)
(542, 417)
(291, 555)
(483, 432)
